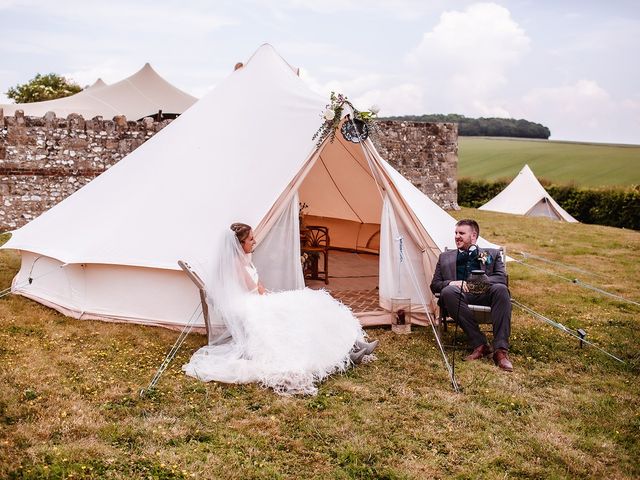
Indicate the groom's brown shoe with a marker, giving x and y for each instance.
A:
(501, 359)
(479, 352)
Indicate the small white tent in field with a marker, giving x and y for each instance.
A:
(242, 153)
(526, 196)
(142, 94)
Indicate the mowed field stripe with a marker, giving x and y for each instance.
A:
(584, 164)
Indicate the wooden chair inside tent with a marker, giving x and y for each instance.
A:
(317, 242)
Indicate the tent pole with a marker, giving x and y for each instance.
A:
(452, 378)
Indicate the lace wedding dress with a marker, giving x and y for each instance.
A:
(288, 341)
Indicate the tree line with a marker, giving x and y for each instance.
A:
(485, 127)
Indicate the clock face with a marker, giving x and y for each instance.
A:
(350, 133)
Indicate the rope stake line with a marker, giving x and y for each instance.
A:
(604, 292)
(30, 280)
(562, 327)
(577, 282)
(174, 350)
(452, 376)
(553, 262)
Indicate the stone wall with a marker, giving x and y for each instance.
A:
(45, 159)
(426, 154)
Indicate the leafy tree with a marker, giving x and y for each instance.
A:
(491, 127)
(43, 87)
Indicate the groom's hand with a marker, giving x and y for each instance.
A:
(460, 283)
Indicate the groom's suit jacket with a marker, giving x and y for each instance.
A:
(445, 271)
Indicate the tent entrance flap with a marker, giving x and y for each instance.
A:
(343, 192)
(544, 208)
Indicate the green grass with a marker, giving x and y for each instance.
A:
(584, 164)
(69, 403)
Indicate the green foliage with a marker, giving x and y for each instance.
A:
(333, 117)
(43, 87)
(485, 127)
(474, 193)
(611, 207)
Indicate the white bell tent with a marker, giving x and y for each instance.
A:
(242, 153)
(526, 196)
(142, 94)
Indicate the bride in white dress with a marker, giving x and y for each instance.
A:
(288, 341)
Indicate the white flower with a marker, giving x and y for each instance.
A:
(374, 109)
(329, 114)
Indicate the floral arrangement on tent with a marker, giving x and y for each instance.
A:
(354, 129)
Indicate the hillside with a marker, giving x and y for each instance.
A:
(585, 164)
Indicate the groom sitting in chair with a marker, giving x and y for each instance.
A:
(450, 277)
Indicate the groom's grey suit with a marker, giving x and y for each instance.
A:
(497, 297)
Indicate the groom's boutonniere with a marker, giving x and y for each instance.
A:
(485, 257)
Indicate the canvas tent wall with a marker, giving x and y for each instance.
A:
(142, 94)
(526, 196)
(242, 153)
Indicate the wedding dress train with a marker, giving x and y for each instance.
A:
(288, 341)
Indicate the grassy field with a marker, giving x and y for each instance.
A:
(585, 164)
(69, 404)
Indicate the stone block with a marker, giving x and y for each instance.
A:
(147, 123)
(75, 121)
(49, 119)
(120, 122)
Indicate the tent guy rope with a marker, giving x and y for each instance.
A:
(555, 262)
(451, 372)
(416, 285)
(562, 327)
(174, 350)
(577, 282)
(30, 280)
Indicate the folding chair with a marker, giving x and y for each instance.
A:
(195, 278)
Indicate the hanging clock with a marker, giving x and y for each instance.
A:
(354, 130)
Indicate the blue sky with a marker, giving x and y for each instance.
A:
(571, 65)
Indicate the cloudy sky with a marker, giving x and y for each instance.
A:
(571, 65)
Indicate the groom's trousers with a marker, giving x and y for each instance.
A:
(497, 297)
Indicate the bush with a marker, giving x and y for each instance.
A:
(43, 87)
(612, 207)
(474, 193)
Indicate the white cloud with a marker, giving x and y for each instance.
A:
(583, 111)
(485, 110)
(109, 70)
(397, 97)
(141, 16)
(583, 102)
(398, 9)
(6, 4)
(465, 59)
(402, 99)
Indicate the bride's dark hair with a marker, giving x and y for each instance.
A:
(241, 230)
